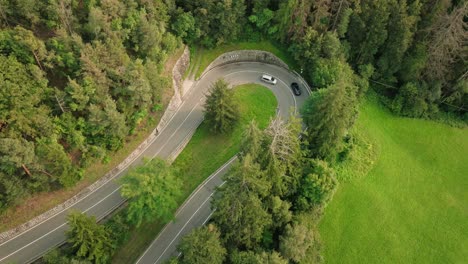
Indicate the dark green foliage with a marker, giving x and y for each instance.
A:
(367, 30)
(239, 212)
(184, 26)
(401, 28)
(202, 245)
(77, 78)
(56, 256)
(118, 230)
(216, 22)
(89, 240)
(152, 190)
(11, 189)
(328, 114)
(250, 257)
(410, 101)
(221, 111)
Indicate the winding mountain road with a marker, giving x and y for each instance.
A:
(196, 210)
(36, 241)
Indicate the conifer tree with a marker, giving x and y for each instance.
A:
(328, 114)
(221, 109)
(90, 240)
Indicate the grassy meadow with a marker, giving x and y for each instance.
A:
(412, 206)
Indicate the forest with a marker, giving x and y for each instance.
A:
(77, 77)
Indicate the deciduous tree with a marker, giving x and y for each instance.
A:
(152, 190)
(202, 245)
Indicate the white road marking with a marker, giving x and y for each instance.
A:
(177, 129)
(99, 187)
(190, 198)
(183, 227)
(53, 230)
(206, 220)
(120, 172)
(287, 87)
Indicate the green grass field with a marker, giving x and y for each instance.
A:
(202, 156)
(412, 207)
(207, 56)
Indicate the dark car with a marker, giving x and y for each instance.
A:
(296, 89)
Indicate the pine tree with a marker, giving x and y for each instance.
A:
(89, 239)
(240, 214)
(221, 109)
(328, 114)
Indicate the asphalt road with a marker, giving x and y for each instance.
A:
(196, 211)
(33, 243)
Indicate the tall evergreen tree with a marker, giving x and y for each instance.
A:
(328, 114)
(89, 239)
(239, 213)
(368, 30)
(221, 109)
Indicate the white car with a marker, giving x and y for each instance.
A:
(269, 79)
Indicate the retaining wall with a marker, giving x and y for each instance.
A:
(177, 73)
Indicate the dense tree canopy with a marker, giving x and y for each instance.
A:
(152, 190)
(90, 240)
(77, 78)
(202, 245)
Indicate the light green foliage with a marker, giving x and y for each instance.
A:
(23, 45)
(152, 190)
(184, 26)
(317, 185)
(280, 211)
(56, 256)
(202, 245)
(271, 258)
(107, 125)
(21, 84)
(55, 163)
(342, 26)
(263, 20)
(88, 239)
(413, 197)
(221, 108)
(295, 242)
(326, 72)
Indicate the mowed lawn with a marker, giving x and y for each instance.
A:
(204, 154)
(412, 207)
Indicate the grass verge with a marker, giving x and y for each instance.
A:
(208, 56)
(412, 206)
(202, 156)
